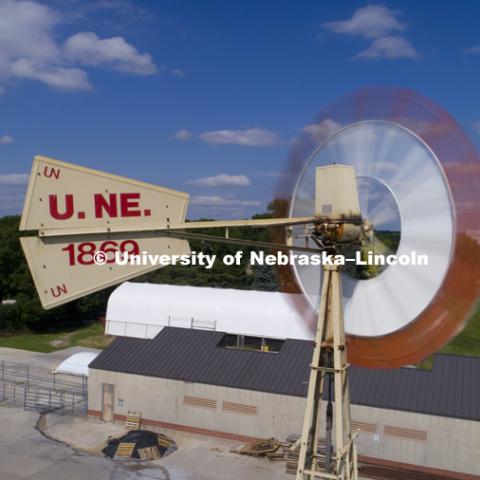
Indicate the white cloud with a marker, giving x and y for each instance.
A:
(389, 47)
(29, 49)
(475, 50)
(251, 137)
(86, 48)
(14, 179)
(476, 126)
(2, 90)
(177, 72)
(26, 30)
(183, 135)
(221, 180)
(54, 76)
(372, 21)
(380, 24)
(219, 201)
(6, 139)
(318, 132)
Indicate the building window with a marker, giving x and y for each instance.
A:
(256, 344)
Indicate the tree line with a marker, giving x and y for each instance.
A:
(27, 314)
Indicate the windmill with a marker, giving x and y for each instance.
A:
(390, 178)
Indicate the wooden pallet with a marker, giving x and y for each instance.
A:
(125, 450)
(132, 422)
(260, 448)
(164, 441)
(149, 453)
(292, 453)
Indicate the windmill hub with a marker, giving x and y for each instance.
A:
(337, 234)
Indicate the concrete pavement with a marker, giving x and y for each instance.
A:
(26, 454)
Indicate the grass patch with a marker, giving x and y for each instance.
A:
(468, 341)
(91, 336)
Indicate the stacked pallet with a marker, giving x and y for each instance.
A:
(140, 444)
(292, 452)
(133, 421)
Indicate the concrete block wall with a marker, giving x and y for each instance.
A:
(163, 399)
(396, 437)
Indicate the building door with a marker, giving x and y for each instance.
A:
(107, 402)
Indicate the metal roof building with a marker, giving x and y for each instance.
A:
(451, 389)
(188, 380)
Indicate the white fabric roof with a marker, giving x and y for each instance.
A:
(76, 364)
(143, 309)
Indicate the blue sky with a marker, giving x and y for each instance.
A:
(205, 97)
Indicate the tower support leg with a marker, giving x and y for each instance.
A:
(323, 458)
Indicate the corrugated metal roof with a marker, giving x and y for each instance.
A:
(451, 389)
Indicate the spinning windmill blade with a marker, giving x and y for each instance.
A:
(418, 178)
